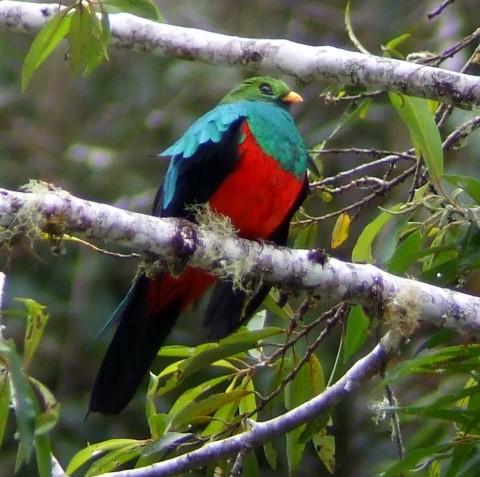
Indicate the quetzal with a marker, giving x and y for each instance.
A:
(247, 161)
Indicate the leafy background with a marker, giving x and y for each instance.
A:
(94, 137)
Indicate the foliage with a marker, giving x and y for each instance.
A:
(87, 34)
(428, 229)
(36, 410)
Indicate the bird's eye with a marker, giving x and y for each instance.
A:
(266, 89)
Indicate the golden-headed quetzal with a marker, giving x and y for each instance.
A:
(247, 161)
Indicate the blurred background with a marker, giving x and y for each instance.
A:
(95, 137)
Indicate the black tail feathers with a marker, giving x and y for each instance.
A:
(132, 350)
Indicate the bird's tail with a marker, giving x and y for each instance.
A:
(145, 318)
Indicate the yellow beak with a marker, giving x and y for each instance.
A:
(292, 97)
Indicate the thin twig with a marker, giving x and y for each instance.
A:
(362, 183)
(332, 99)
(391, 158)
(460, 133)
(444, 111)
(237, 468)
(363, 202)
(417, 178)
(397, 432)
(440, 9)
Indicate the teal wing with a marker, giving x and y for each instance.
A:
(200, 160)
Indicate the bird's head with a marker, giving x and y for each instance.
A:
(265, 89)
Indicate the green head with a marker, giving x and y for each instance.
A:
(265, 89)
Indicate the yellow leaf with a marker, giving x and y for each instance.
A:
(341, 230)
(325, 446)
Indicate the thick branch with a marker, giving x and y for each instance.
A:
(262, 432)
(398, 300)
(302, 61)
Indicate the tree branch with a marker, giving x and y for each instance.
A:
(399, 301)
(305, 62)
(262, 432)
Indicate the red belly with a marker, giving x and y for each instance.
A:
(258, 194)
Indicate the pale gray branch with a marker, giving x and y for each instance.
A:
(262, 432)
(305, 62)
(396, 299)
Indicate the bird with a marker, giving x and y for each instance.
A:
(246, 160)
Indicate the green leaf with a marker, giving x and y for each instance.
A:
(434, 469)
(23, 403)
(159, 448)
(250, 465)
(176, 351)
(198, 412)
(78, 36)
(390, 49)
(446, 273)
(92, 451)
(105, 33)
(295, 448)
(404, 255)
(460, 454)
(296, 393)
(114, 459)
(44, 43)
(469, 184)
(158, 424)
(401, 261)
(362, 252)
(96, 48)
(88, 39)
(141, 8)
(223, 416)
(324, 444)
(4, 403)
(150, 408)
(393, 43)
(316, 385)
(194, 393)
(458, 416)
(36, 321)
(270, 454)
(248, 403)
(357, 332)
(43, 455)
(413, 458)
(48, 408)
(306, 237)
(236, 343)
(436, 360)
(418, 117)
(176, 370)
